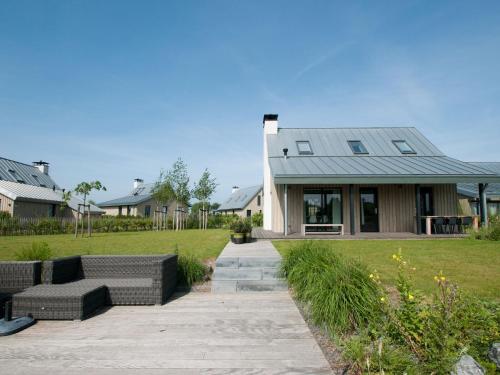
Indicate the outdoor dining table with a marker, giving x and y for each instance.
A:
(428, 221)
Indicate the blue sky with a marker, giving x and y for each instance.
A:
(114, 90)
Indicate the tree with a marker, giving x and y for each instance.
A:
(85, 188)
(162, 193)
(202, 191)
(174, 184)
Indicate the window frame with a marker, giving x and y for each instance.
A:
(310, 152)
(396, 143)
(363, 147)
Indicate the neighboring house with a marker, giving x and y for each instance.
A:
(469, 194)
(382, 179)
(243, 202)
(139, 202)
(29, 191)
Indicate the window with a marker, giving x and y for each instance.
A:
(147, 211)
(357, 147)
(404, 147)
(128, 210)
(249, 213)
(120, 211)
(323, 206)
(304, 148)
(258, 200)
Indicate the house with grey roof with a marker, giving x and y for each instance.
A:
(243, 202)
(29, 191)
(139, 202)
(468, 193)
(380, 179)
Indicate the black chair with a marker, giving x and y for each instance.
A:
(452, 225)
(438, 225)
(465, 223)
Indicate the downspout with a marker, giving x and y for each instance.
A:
(286, 211)
(418, 208)
(483, 205)
(351, 209)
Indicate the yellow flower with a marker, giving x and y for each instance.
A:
(436, 278)
(382, 299)
(394, 256)
(443, 278)
(410, 297)
(371, 276)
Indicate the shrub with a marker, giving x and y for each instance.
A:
(190, 269)
(241, 226)
(38, 251)
(492, 232)
(339, 292)
(258, 219)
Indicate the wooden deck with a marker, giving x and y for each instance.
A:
(260, 233)
(198, 333)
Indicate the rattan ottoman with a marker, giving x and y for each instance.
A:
(64, 302)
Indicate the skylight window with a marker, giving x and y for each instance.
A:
(357, 147)
(304, 148)
(404, 147)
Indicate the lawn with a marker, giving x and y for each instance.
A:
(474, 265)
(205, 244)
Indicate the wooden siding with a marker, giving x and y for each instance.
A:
(6, 204)
(396, 205)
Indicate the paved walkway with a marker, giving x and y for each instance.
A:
(199, 333)
(248, 267)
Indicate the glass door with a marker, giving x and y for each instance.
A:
(369, 209)
(322, 206)
(426, 205)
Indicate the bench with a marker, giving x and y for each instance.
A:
(333, 226)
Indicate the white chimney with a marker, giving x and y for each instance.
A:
(42, 166)
(138, 183)
(270, 123)
(235, 189)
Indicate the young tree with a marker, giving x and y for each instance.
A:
(85, 188)
(162, 193)
(202, 191)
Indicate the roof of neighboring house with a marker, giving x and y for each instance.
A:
(333, 161)
(15, 171)
(472, 190)
(17, 191)
(136, 196)
(240, 198)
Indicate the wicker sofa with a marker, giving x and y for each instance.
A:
(16, 277)
(74, 287)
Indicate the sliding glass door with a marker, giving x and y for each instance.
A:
(323, 206)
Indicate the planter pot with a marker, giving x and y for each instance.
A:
(238, 238)
(248, 237)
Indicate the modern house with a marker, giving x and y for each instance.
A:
(468, 193)
(243, 202)
(139, 202)
(381, 179)
(28, 191)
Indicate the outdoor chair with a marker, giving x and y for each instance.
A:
(439, 225)
(451, 225)
(74, 287)
(16, 277)
(464, 224)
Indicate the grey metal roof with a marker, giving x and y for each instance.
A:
(136, 196)
(240, 198)
(15, 171)
(471, 190)
(17, 191)
(333, 160)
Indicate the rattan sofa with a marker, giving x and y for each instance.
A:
(16, 277)
(74, 287)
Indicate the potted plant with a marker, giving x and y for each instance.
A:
(241, 231)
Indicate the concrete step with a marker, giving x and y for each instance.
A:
(245, 273)
(234, 286)
(259, 262)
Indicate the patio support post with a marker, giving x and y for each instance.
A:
(351, 209)
(483, 207)
(417, 206)
(286, 211)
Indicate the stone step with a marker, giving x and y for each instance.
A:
(234, 286)
(259, 262)
(245, 273)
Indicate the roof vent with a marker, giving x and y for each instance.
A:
(285, 153)
(235, 189)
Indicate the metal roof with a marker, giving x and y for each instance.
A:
(15, 171)
(136, 196)
(17, 191)
(240, 198)
(333, 161)
(471, 190)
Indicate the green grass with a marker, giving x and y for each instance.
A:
(474, 265)
(202, 244)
